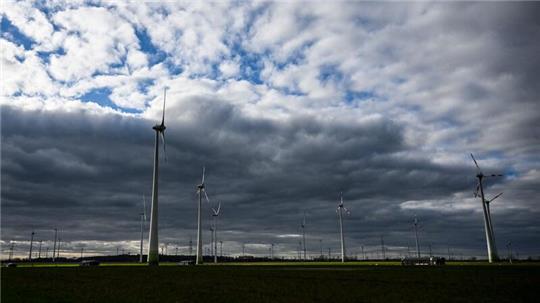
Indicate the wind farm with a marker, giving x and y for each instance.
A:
(245, 151)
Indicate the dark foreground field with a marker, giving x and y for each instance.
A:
(271, 284)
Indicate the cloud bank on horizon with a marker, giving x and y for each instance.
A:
(286, 104)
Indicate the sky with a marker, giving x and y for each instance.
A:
(286, 105)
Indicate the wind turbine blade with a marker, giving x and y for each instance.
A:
(164, 146)
(203, 169)
(164, 99)
(498, 195)
(475, 163)
(206, 196)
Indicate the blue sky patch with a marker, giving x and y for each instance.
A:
(101, 97)
(13, 34)
(361, 95)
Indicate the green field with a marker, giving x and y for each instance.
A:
(274, 282)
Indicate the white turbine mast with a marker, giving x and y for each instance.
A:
(488, 227)
(340, 210)
(303, 226)
(153, 243)
(415, 222)
(201, 188)
(215, 215)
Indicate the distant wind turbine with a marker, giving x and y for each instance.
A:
(416, 236)
(340, 210)
(54, 247)
(201, 189)
(143, 222)
(215, 214)
(490, 237)
(31, 244)
(153, 245)
(303, 225)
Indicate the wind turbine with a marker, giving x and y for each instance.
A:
(303, 225)
(215, 214)
(54, 247)
(153, 245)
(340, 210)
(31, 244)
(490, 238)
(200, 190)
(416, 236)
(143, 221)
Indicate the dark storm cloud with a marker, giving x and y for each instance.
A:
(87, 176)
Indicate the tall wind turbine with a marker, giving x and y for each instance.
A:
(200, 190)
(153, 245)
(416, 236)
(490, 238)
(54, 247)
(143, 221)
(303, 225)
(31, 244)
(340, 210)
(215, 214)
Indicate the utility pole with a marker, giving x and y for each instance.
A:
(31, 243)
(448, 253)
(221, 248)
(176, 252)
(82, 252)
(329, 253)
(47, 253)
(243, 249)
(320, 244)
(58, 249)
(39, 252)
(11, 251)
(363, 253)
(509, 246)
(430, 252)
(190, 246)
(304, 234)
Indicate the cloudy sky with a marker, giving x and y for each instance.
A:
(286, 104)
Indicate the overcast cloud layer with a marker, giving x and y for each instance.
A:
(286, 105)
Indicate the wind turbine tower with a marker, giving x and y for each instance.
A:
(31, 243)
(54, 247)
(340, 210)
(490, 238)
(416, 236)
(153, 245)
(215, 215)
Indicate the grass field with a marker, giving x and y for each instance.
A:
(321, 282)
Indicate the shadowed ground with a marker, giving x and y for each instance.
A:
(324, 283)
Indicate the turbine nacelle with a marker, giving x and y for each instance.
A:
(159, 127)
